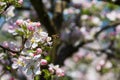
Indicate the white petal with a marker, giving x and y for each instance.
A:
(31, 54)
(49, 39)
(56, 67)
(28, 44)
(11, 31)
(43, 34)
(14, 66)
(36, 57)
(37, 71)
(34, 45)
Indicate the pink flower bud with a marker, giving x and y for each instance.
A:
(20, 1)
(51, 70)
(62, 74)
(12, 78)
(112, 33)
(43, 62)
(5, 44)
(102, 62)
(19, 22)
(28, 20)
(31, 28)
(39, 50)
(98, 67)
(11, 27)
(38, 24)
(59, 72)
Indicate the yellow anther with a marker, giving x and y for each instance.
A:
(32, 40)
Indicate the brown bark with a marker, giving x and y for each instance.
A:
(43, 16)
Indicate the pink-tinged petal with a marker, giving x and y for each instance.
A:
(38, 24)
(19, 22)
(39, 50)
(31, 28)
(20, 1)
(43, 62)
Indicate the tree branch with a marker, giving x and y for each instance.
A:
(8, 49)
(112, 25)
(43, 16)
(69, 50)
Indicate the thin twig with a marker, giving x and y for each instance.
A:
(112, 25)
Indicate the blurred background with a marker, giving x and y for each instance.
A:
(86, 35)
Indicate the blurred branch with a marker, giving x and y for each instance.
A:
(23, 8)
(69, 50)
(1, 46)
(116, 2)
(111, 25)
(13, 51)
(102, 51)
(58, 14)
(43, 16)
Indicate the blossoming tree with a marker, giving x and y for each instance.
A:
(80, 36)
(30, 56)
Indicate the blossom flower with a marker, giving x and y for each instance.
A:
(2, 4)
(5, 77)
(2, 55)
(118, 29)
(27, 44)
(11, 29)
(108, 65)
(38, 24)
(96, 20)
(51, 70)
(18, 62)
(39, 37)
(29, 64)
(19, 22)
(30, 59)
(32, 64)
(39, 50)
(9, 12)
(84, 17)
(43, 62)
(28, 23)
(20, 1)
(59, 72)
(5, 44)
(112, 16)
(32, 67)
(31, 28)
(55, 69)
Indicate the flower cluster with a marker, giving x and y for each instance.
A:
(55, 69)
(29, 64)
(8, 11)
(20, 1)
(24, 27)
(32, 55)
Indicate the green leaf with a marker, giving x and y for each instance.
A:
(8, 67)
(47, 74)
(36, 78)
(48, 58)
(30, 51)
(20, 32)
